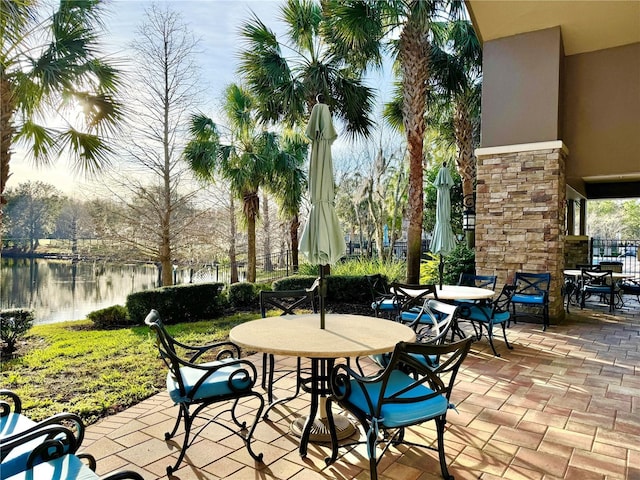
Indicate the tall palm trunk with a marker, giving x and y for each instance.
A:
(232, 240)
(414, 58)
(466, 160)
(251, 209)
(266, 229)
(294, 226)
(7, 130)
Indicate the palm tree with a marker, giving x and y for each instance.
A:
(49, 67)
(360, 30)
(457, 67)
(286, 77)
(288, 185)
(247, 159)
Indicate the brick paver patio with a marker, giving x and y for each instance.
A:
(564, 403)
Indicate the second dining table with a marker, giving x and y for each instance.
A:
(453, 292)
(344, 336)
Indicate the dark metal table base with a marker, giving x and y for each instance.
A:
(311, 428)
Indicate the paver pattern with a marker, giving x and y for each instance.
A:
(564, 403)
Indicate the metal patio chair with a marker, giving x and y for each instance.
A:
(286, 302)
(201, 376)
(532, 290)
(387, 403)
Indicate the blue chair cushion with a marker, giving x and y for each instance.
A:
(597, 288)
(14, 423)
(397, 415)
(16, 459)
(217, 385)
(483, 314)
(386, 304)
(411, 314)
(67, 467)
(528, 299)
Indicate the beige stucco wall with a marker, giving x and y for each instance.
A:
(601, 124)
(521, 89)
(591, 101)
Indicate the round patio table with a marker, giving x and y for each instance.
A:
(344, 336)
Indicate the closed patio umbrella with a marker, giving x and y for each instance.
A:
(443, 241)
(322, 240)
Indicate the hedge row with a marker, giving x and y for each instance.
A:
(190, 302)
(179, 303)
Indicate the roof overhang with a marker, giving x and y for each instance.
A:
(586, 25)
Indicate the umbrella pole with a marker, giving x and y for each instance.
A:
(441, 269)
(323, 294)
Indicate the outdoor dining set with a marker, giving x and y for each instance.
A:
(595, 281)
(387, 371)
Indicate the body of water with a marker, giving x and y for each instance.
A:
(60, 290)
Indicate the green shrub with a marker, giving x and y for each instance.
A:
(295, 282)
(340, 288)
(393, 270)
(14, 324)
(178, 303)
(348, 289)
(111, 317)
(460, 260)
(243, 295)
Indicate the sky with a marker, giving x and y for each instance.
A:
(214, 22)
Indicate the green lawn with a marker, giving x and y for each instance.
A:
(72, 367)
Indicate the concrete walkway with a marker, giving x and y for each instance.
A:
(563, 404)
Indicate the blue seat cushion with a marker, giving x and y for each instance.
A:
(16, 459)
(216, 385)
(14, 423)
(399, 414)
(528, 299)
(483, 314)
(67, 467)
(597, 289)
(386, 304)
(411, 314)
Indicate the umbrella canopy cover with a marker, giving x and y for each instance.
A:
(322, 240)
(443, 241)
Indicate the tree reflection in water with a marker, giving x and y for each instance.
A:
(59, 290)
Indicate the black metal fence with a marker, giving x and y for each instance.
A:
(622, 255)
(268, 268)
(398, 250)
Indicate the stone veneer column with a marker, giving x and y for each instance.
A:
(520, 213)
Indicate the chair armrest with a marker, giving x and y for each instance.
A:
(227, 350)
(56, 440)
(352, 374)
(5, 406)
(58, 419)
(468, 309)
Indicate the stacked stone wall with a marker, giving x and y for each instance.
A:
(520, 217)
(576, 251)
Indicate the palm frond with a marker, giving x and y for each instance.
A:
(90, 152)
(16, 19)
(354, 30)
(41, 140)
(302, 18)
(392, 110)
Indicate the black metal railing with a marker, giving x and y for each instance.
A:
(622, 255)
